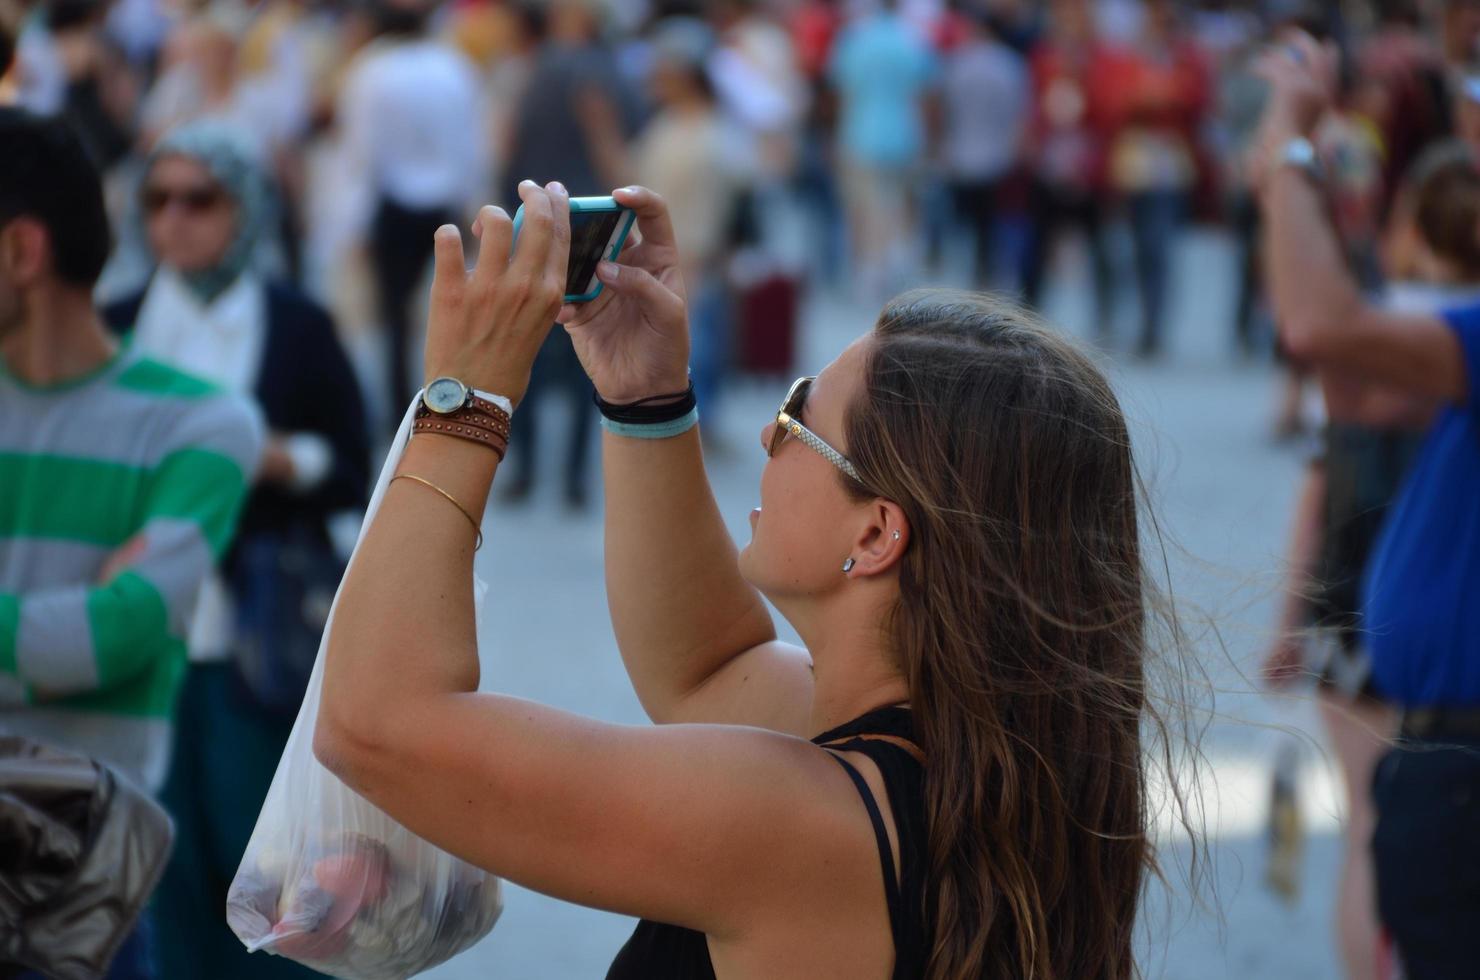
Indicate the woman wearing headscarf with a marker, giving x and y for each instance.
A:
(207, 309)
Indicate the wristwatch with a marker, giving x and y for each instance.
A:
(444, 396)
(1301, 154)
(450, 408)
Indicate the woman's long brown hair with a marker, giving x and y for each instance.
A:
(1021, 626)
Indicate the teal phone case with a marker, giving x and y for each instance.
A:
(587, 204)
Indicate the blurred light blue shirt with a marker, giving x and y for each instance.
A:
(882, 68)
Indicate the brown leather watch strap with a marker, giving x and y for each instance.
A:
(487, 408)
(497, 422)
(491, 426)
(462, 429)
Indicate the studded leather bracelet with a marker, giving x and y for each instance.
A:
(499, 424)
(487, 428)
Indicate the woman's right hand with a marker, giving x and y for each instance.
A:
(633, 339)
(1303, 77)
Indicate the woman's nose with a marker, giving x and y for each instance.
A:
(767, 432)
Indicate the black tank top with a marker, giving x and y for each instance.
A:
(658, 950)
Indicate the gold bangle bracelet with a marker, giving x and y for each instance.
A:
(451, 499)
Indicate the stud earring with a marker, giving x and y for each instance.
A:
(896, 534)
(848, 566)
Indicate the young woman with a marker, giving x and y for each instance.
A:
(947, 782)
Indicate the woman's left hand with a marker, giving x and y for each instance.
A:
(486, 324)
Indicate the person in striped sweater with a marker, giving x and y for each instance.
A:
(120, 478)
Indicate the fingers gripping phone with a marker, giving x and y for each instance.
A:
(599, 227)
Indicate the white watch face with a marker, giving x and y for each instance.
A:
(445, 395)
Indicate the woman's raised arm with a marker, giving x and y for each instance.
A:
(697, 639)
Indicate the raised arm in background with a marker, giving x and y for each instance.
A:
(1321, 315)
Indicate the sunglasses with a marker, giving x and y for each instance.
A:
(787, 424)
(195, 200)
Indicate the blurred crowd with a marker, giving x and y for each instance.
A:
(814, 143)
(274, 170)
(850, 145)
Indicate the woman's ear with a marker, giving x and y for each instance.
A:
(882, 541)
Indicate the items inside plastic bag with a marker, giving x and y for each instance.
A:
(357, 907)
(331, 881)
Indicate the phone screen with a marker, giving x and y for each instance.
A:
(590, 233)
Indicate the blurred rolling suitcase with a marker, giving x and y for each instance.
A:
(768, 322)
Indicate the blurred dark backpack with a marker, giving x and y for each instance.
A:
(284, 585)
(81, 848)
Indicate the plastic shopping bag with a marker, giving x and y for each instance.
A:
(332, 882)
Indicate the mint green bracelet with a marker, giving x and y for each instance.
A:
(659, 430)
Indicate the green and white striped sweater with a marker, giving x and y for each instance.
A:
(135, 456)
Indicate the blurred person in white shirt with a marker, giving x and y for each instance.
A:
(758, 78)
(416, 149)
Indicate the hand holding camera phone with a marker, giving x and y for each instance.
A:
(633, 339)
(599, 227)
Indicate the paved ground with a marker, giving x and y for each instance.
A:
(1224, 492)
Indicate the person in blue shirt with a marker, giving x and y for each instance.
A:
(1422, 586)
(884, 72)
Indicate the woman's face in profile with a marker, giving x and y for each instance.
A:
(800, 534)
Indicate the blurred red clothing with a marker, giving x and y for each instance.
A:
(950, 30)
(1406, 94)
(1154, 102)
(1168, 90)
(813, 28)
(1069, 124)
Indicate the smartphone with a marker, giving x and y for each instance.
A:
(599, 227)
